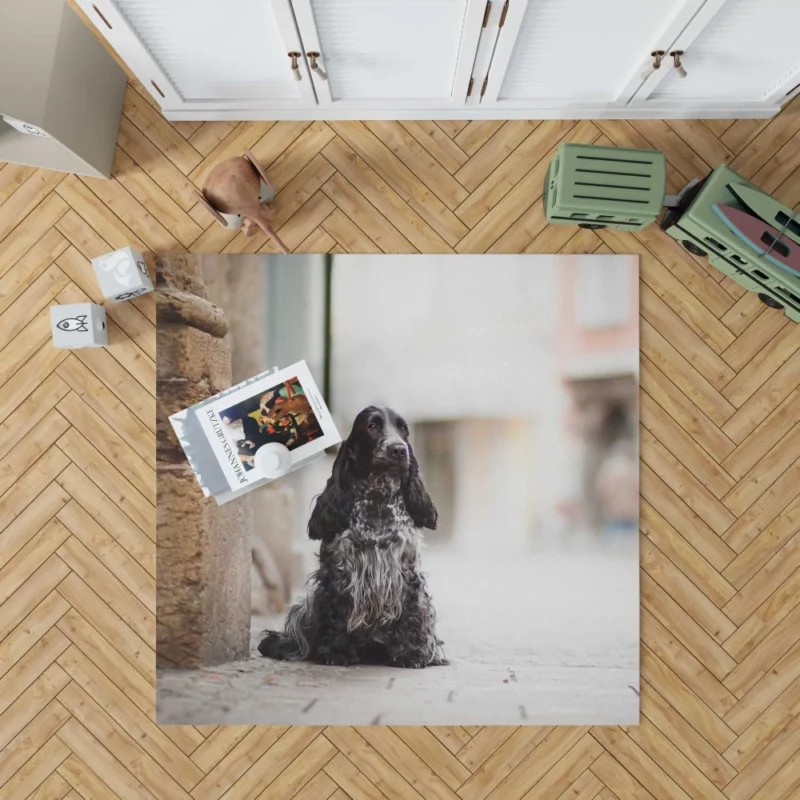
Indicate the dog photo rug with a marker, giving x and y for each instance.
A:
(461, 549)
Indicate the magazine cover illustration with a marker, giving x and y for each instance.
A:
(283, 407)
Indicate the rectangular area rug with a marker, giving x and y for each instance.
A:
(463, 552)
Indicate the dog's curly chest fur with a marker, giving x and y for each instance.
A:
(374, 559)
(368, 602)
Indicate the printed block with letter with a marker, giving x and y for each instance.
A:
(122, 274)
(79, 325)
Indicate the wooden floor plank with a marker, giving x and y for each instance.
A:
(437, 143)
(385, 200)
(12, 176)
(127, 569)
(99, 615)
(684, 556)
(685, 629)
(30, 267)
(31, 630)
(30, 230)
(684, 592)
(427, 169)
(84, 782)
(105, 769)
(120, 744)
(670, 734)
(678, 407)
(31, 484)
(536, 146)
(25, 199)
(25, 599)
(110, 443)
(79, 450)
(689, 669)
(226, 773)
(113, 591)
(142, 114)
(380, 158)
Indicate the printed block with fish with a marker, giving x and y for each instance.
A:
(122, 275)
(79, 325)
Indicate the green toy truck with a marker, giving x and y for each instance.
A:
(613, 187)
(695, 224)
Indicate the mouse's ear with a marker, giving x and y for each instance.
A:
(248, 154)
(213, 211)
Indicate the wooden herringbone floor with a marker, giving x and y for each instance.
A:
(720, 468)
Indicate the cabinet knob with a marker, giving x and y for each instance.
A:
(295, 66)
(676, 60)
(313, 56)
(657, 56)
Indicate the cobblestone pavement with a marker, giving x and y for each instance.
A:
(560, 645)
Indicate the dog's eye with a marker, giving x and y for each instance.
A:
(372, 427)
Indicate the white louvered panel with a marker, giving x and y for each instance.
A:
(389, 49)
(581, 49)
(210, 50)
(748, 48)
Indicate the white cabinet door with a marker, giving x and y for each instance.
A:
(390, 54)
(562, 54)
(735, 52)
(207, 54)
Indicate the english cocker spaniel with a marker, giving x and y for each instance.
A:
(368, 602)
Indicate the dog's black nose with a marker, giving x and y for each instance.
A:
(398, 451)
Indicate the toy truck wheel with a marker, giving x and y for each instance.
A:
(693, 248)
(769, 301)
(592, 226)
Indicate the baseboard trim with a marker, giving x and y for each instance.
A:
(750, 111)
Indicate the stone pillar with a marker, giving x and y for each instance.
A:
(203, 575)
(237, 283)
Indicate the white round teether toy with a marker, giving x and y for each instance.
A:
(273, 460)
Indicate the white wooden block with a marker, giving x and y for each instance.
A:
(122, 274)
(79, 325)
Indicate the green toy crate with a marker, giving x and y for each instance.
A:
(605, 187)
(696, 225)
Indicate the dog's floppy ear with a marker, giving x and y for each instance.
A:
(419, 505)
(332, 510)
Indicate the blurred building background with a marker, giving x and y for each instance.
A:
(598, 367)
(518, 376)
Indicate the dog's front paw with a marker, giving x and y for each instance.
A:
(408, 662)
(335, 660)
(439, 661)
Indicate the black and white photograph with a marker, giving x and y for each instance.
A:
(467, 554)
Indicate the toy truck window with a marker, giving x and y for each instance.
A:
(715, 243)
(775, 244)
(792, 225)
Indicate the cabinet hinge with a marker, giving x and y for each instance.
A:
(486, 13)
(483, 88)
(503, 15)
(469, 88)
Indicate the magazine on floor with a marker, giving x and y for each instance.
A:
(280, 412)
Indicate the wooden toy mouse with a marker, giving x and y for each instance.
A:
(238, 193)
